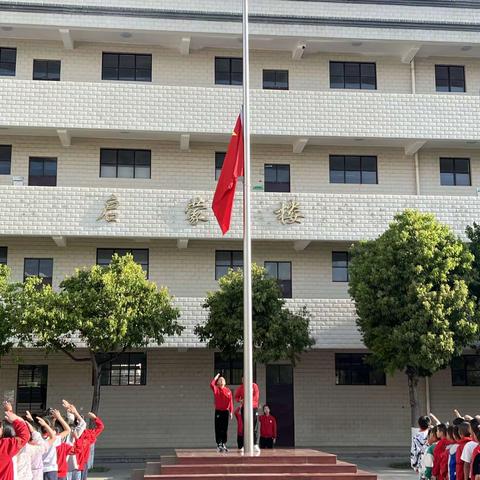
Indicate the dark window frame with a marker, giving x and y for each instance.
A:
(128, 250)
(464, 370)
(275, 86)
(231, 81)
(106, 377)
(134, 150)
(231, 372)
(43, 387)
(4, 64)
(362, 170)
(449, 80)
(340, 252)
(360, 84)
(45, 280)
(135, 68)
(455, 172)
(8, 149)
(354, 365)
(277, 186)
(42, 180)
(286, 286)
(3, 255)
(49, 63)
(231, 266)
(218, 169)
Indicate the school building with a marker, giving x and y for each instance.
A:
(114, 120)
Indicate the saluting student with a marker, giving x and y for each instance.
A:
(223, 410)
(239, 397)
(268, 428)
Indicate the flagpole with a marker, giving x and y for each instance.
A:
(247, 251)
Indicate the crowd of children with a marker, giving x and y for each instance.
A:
(223, 400)
(443, 451)
(50, 448)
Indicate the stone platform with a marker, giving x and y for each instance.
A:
(291, 464)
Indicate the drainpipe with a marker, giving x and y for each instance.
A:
(427, 395)
(414, 90)
(412, 72)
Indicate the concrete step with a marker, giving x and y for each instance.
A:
(265, 476)
(339, 467)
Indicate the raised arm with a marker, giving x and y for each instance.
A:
(14, 445)
(81, 424)
(66, 428)
(434, 418)
(213, 383)
(99, 425)
(52, 436)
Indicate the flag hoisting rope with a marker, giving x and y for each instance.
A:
(236, 164)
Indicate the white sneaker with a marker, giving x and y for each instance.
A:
(225, 449)
(219, 448)
(256, 448)
(241, 450)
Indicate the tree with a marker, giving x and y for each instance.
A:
(109, 309)
(278, 333)
(410, 289)
(473, 234)
(8, 310)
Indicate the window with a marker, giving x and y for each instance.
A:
(275, 79)
(5, 159)
(228, 71)
(124, 163)
(3, 255)
(227, 259)
(42, 172)
(353, 75)
(219, 159)
(39, 267)
(353, 369)
(282, 272)
(340, 262)
(353, 169)
(8, 61)
(140, 255)
(32, 389)
(46, 70)
(466, 371)
(127, 66)
(231, 368)
(277, 178)
(455, 171)
(450, 78)
(123, 369)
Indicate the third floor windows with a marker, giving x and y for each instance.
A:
(132, 67)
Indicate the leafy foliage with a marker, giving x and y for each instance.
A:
(411, 294)
(8, 310)
(109, 309)
(278, 333)
(473, 234)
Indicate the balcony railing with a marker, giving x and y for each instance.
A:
(148, 213)
(212, 110)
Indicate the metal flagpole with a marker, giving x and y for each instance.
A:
(247, 253)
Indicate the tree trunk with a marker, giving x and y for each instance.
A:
(413, 379)
(97, 374)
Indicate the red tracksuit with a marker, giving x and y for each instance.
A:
(437, 456)
(63, 451)
(268, 426)
(240, 394)
(9, 447)
(86, 440)
(458, 457)
(238, 416)
(475, 453)
(444, 458)
(222, 397)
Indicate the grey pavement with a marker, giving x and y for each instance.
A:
(380, 466)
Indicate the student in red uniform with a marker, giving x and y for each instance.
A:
(84, 443)
(14, 435)
(464, 431)
(223, 410)
(268, 428)
(445, 456)
(239, 396)
(439, 450)
(475, 463)
(238, 416)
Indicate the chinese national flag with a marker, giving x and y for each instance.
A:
(232, 169)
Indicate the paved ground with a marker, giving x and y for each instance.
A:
(121, 471)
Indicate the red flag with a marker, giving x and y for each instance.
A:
(232, 169)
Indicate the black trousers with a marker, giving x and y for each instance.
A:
(255, 425)
(240, 441)
(266, 442)
(221, 426)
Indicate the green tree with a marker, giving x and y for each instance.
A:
(108, 309)
(473, 234)
(8, 310)
(278, 333)
(410, 289)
